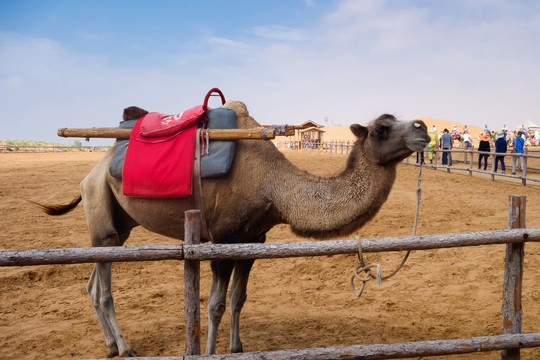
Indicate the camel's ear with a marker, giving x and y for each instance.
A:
(359, 131)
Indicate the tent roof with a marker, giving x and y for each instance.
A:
(529, 124)
(308, 124)
(313, 128)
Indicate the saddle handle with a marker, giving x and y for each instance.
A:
(211, 93)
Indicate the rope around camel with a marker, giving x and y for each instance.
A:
(367, 268)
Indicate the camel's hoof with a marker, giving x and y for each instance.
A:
(113, 351)
(237, 349)
(128, 352)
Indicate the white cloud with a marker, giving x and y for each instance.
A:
(226, 42)
(283, 33)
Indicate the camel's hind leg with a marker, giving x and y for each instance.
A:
(99, 289)
(109, 225)
(238, 296)
(221, 275)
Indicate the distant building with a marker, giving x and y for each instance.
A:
(309, 134)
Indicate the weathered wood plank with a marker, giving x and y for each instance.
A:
(348, 246)
(213, 134)
(513, 276)
(260, 251)
(381, 351)
(90, 255)
(192, 274)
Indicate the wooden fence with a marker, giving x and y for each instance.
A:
(192, 253)
(464, 159)
(49, 148)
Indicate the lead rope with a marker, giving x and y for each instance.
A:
(367, 268)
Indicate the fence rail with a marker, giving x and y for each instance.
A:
(206, 252)
(511, 340)
(417, 349)
(457, 156)
(49, 148)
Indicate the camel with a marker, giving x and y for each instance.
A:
(261, 190)
(457, 137)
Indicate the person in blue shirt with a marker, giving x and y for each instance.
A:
(500, 147)
(446, 144)
(519, 145)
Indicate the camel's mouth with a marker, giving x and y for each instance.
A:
(417, 144)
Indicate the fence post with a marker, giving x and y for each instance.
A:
(492, 155)
(524, 169)
(471, 162)
(513, 276)
(192, 312)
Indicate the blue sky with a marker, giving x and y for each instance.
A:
(79, 63)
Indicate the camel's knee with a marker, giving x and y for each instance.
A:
(216, 309)
(94, 296)
(106, 301)
(93, 291)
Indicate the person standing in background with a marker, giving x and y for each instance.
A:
(432, 144)
(446, 144)
(519, 144)
(484, 147)
(500, 147)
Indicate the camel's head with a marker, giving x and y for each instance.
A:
(387, 140)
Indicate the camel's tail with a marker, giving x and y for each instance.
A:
(59, 209)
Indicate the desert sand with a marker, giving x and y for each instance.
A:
(341, 133)
(292, 303)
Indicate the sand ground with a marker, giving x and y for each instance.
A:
(292, 303)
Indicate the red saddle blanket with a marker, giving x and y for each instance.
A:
(160, 153)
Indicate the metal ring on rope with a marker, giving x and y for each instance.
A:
(362, 267)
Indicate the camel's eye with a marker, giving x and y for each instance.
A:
(382, 131)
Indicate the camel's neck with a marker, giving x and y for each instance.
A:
(324, 207)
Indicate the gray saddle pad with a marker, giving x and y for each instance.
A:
(218, 155)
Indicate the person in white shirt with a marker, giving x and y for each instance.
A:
(467, 140)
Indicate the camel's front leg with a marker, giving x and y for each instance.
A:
(221, 275)
(99, 289)
(238, 296)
